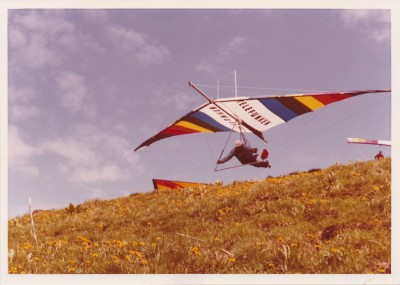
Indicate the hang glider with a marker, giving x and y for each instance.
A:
(160, 184)
(366, 141)
(249, 115)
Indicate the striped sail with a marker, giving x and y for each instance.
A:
(256, 115)
(366, 141)
(160, 184)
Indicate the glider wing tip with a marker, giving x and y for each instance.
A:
(138, 148)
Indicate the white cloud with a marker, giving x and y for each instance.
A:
(20, 95)
(168, 96)
(376, 24)
(20, 112)
(208, 68)
(74, 94)
(104, 173)
(98, 193)
(89, 155)
(38, 53)
(20, 154)
(76, 152)
(127, 39)
(34, 33)
(20, 107)
(85, 155)
(69, 41)
(44, 21)
(101, 193)
(121, 128)
(45, 38)
(149, 55)
(17, 38)
(138, 47)
(234, 47)
(95, 15)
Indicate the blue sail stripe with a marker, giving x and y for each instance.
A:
(210, 121)
(278, 109)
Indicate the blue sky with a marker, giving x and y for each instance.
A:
(85, 87)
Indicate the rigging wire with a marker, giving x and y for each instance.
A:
(186, 158)
(195, 160)
(288, 138)
(326, 128)
(211, 154)
(226, 75)
(227, 88)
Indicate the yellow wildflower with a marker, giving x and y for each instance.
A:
(115, 259)
(27, 246)
(232, 259)
(196, 250)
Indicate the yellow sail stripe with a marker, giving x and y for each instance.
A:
(160, 186)
(188, 184)
(310, 102)
(193, 127)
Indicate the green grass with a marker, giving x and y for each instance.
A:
(335, 220)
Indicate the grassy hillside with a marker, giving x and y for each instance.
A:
(335, 220)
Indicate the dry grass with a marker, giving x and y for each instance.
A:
(335, 220)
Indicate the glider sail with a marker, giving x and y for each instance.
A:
(365, 141)
(160, 184)
(244, 114)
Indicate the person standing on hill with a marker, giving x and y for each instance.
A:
(379, 156)
(246, 155)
